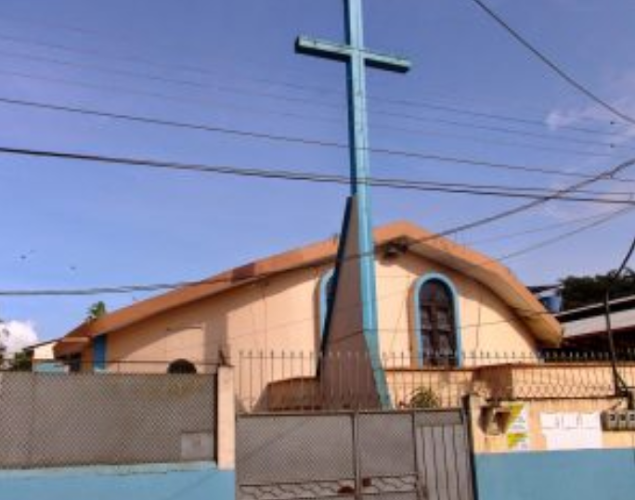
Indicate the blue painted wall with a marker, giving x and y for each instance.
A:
(145, 482)
(49, 367)
(557, 475)
(100, 349)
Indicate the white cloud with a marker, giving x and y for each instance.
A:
(16, 335)
(620, 94)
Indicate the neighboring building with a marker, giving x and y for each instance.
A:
(432, 294)
(42, 357)
(549, 296)
(585, 328)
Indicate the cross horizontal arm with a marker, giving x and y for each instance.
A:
(388, 62)
(342, 52)
(323, 48)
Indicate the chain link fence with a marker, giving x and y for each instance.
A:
(58, 419)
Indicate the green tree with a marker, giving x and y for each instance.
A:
(424, 398)
(97, 310)
(580, 291)
(21, 362)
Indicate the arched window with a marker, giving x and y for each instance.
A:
(438, 339)
(327, 294)
(181, 366)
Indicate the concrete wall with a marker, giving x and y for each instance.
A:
(564, 462)
(167, 481)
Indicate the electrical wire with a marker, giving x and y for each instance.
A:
(125, 289)
(311, 88)
(312, 117)
(289, 175)
(299, 140)
(500, 130)
(540, 229)
(150, 62)
(427, 133)
(490, 115)
(573, 232)
(232, 89)
(553, 65)
(496, 217)
(312, 101)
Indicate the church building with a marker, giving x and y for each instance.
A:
(437, 303)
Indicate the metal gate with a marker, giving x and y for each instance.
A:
(420, 455)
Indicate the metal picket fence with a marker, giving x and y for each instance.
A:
(290, 381)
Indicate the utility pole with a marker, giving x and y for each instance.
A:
(619, 385)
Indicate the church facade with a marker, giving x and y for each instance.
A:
(437, 303)
(433, 295)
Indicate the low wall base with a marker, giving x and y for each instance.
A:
(143, 482)
(557, 475)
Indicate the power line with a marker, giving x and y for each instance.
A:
(135, 59)
(554, 66)
(540, 229)
(573, 232)
(138, 58)
(252, 109)
(608, 173)
(490, 115)
(305, 87)
(176, 81)
(534, 193)
(313, 102)
(298, 140)
(119, 89)
(124, 289)
(484, 140)
(457, 229)
(501, 130)
(534, 204)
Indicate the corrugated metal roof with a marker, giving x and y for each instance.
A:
(597, 324)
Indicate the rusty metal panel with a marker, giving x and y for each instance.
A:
(420, 455)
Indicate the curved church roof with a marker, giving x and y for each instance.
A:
(406, 235)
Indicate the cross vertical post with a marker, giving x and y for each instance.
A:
(357, 58)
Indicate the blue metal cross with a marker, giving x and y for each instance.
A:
(357, 58)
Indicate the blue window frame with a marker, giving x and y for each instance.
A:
(437, 330)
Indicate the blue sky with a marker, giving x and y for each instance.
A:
(232, 64)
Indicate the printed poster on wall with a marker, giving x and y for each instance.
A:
(517, 433)
(571, 431)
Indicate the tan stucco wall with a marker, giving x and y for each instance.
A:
(484, 443)
(486, 323)
(44, 352)
(270, 316)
